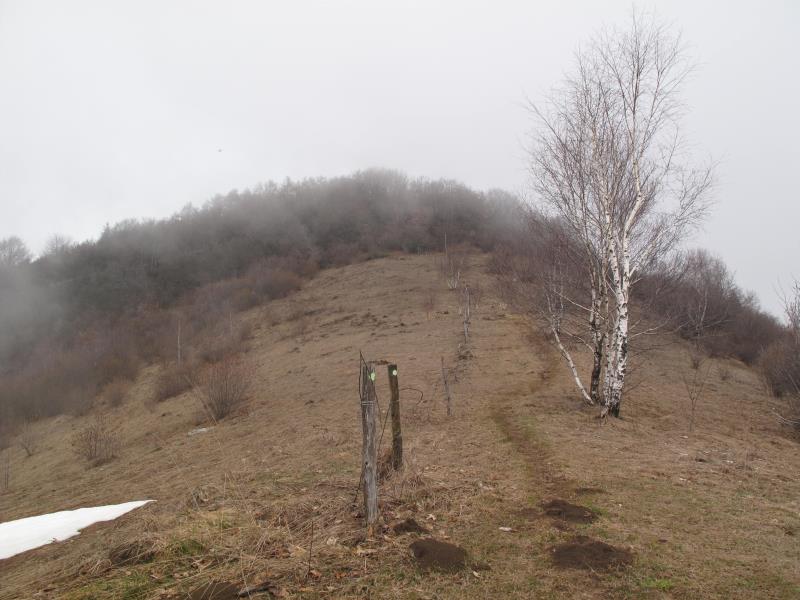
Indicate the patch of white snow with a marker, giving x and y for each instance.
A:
(32, 532)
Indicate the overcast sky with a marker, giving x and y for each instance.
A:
(111, 110)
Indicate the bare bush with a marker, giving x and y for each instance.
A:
(696, 359)
(695, 383)
(269, 281)
(780, 362)
(429, 302)
(173, 381)
(223, 388)
(97, 442)
(724, 372)
(226, 344)
(5, 472)
(452, 266)
(271, 317)
(116, 391)
(779, 365)
(298, 318)
(29, 439)
(476, 295)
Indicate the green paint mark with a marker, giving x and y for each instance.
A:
(372, 376)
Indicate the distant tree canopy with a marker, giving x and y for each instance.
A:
(13, 252)
(152, 264)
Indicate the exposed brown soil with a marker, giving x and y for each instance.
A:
(586, 553)
(561, 509)
(407, 526)
(431, 553)
(216, 590)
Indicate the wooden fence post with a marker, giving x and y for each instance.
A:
(466, 314)
(394, 411)
(369, 452)
(446, 389)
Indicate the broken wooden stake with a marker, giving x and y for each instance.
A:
(466, 314)
(369, 452)
(394, 412)
(446, 389)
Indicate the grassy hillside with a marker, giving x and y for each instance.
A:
(267, 495)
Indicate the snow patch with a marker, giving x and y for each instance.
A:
(200, 430)
(32, 532)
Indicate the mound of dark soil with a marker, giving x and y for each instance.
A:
(408, 526)
(561, 509)
(431, 553)
(216, 590)
(586, 553)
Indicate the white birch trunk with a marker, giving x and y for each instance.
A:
(565, 353)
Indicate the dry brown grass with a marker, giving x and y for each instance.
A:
(269, 495)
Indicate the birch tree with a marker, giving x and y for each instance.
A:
(608, 160)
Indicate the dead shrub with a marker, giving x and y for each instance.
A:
(226, 344)
(299, 327)
(779, 365)
(220, 348)
(223, 388)
(271, 317)
(724, 372)
(121, 362)
(5, 472)
(429, 302)
(173, 381)
(114, 393)
(269, 281)
(298, 318)
(696, 359)
(29, 439)
(97, 442)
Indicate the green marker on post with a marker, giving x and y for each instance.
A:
(372, 376)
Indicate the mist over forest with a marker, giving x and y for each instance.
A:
(89, 312)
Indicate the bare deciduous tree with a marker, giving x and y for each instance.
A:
(57, 245)
(780, 363)
(695, 383)
(606, 161)
(13, 252)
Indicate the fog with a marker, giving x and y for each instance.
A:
(110, 111)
